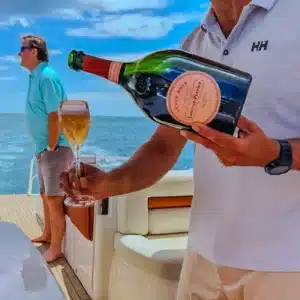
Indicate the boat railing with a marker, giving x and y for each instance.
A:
(32, 176)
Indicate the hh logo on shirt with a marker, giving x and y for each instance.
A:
(259, 46)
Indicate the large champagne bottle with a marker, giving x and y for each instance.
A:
(176, 88)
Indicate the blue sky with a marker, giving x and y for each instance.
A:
(117, 29)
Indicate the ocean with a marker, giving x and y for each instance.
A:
(112, 139)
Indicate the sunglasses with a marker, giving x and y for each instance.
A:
(23, 48)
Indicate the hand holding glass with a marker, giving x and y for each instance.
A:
(75, 122)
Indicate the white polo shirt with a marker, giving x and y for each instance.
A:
(241, 216)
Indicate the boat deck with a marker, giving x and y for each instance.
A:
(18, 209)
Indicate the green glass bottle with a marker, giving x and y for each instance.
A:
(175, 88)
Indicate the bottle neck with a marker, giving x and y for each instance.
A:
(102, 67)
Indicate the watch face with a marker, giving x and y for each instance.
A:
(279, 170)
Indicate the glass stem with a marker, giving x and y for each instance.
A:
(77, 161)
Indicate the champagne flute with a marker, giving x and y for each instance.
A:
(75, 122)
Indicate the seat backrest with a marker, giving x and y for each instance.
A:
(160, 209)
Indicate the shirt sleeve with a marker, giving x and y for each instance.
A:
(52, 93)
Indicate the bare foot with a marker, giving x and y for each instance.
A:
(52, 255)
(42, 239)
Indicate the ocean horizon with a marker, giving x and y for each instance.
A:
(112, 138)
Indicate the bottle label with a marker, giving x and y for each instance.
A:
(114, 71)
(194, 97)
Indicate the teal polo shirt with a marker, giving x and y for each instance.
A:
(45, 92)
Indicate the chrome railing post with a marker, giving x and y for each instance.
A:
(31, 177)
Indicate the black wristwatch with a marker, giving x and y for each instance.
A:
(284, 162)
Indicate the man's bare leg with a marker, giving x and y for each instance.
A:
(58, 225)
(46, 235)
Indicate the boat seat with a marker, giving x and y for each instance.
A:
(151, 239)
(160, 256)
(160, 209)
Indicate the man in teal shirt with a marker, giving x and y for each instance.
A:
(45, 93)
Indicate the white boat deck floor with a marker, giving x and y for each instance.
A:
(18, 209)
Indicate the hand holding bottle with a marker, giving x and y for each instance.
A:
(251, 148)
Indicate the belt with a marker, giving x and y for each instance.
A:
(56, 147)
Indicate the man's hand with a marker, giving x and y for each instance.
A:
(51, 148)
(251, 148)
(89, 183)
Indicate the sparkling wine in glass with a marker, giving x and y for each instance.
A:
(75, 124)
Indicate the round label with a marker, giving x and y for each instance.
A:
(194, 97)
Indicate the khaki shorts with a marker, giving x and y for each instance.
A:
(50, 165)
(203, 280)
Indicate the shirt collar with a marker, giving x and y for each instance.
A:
(38, 69)
(210, 19)
(266, 4)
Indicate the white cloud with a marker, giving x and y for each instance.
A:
(10, 58)
(7, 78)
(138, 26)
(72, 8)
(68, 14)
(100, 18)
(54, 52)
(118, 5)
(11, 21)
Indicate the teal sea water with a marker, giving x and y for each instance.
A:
(113, 139)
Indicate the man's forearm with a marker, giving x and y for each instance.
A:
(53, 129)
(149, 164)
(295, 143)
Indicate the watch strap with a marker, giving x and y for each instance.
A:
(285, 158)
